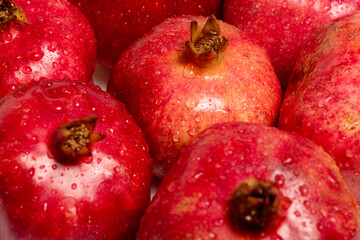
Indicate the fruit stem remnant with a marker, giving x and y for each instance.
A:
(253, 205)
(10, 12)
(206, 44)
(72, 139)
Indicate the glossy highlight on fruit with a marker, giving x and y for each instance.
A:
(54, 41)
(240, 181)
(174, 92)
(322, 100)
(283, 27)
(119, 23)
(97, 188)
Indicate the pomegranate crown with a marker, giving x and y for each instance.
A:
(206, 44)
(10, 12)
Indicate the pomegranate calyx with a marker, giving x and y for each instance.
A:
(207, 43)
(72, 139)
(253, 205)
(10, 12)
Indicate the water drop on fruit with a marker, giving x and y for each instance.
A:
(27, 70)
(189, 71)
(73, 186)
(176, 138)
(192, 103)
(304, 190)
(171, 187)
(279, 180)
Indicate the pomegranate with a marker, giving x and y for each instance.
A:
(322, 100)
(43, 39)
(249, 181)
(175, 86)
(74, 164)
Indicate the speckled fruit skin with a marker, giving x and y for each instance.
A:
(99, 197)
(58, 43)
(119, 23)
(173, 99)
(283, 27)
(322, 101)
(192, 200)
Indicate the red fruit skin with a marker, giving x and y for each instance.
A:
(322, 100)
(58, 43)
(98, 197)
(173, 100)
(119, 23)
(284, 27)
(192, 200)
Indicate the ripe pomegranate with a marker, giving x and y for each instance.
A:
(73, 164)
(119, 23)
(176, 87)
(283, 27)
(54, 41)
(249, 181)
(322, 100)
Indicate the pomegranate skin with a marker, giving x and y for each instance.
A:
(97, 197)
(284, 27)
(192, 201)
(173, 99)
(322, 100)
(119, 23)
(57, 43)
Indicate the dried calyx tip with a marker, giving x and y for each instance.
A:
(206, 43)
(253, 205)
(10, 12)
(72, 139)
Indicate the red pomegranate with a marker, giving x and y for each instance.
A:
(43, 39)
(73, 164)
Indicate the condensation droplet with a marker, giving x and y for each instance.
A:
(189, 71)
(192, 103)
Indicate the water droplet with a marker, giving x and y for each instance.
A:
(8, 37)
(36, 56)
(117, 169)
(304, 190)
(42, 166)
(87, 159)
(176, 138)
(73, 186)
(212, 235)
(54, 167)
(279, 180)
(171, 187)
(32, 138)
(192, 103)
(310, 3)
(192, 132)
(349, 153)
(190, 71)
(27, 70)
(287, 161)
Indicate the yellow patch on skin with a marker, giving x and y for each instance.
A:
(186, 205)
(350, 125)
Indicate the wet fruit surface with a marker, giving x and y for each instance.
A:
(100, 195)
(322, 101)
(173, 97)
(57, 43)
(293, 187)
(119, 23)
(283, 27)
